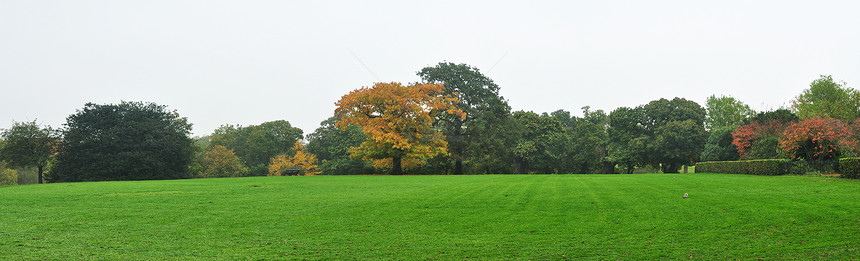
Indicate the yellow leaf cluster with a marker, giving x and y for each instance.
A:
(305, 163)
(221, 162)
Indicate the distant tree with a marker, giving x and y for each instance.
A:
(126, 141)
(493, 136)
(678, 143)
(624, 127)
(726, 111)
(673, 133)
(478, 98)
(305, 163)
(828, 99)
(331, 146)
(219, 161)
(398, 121)
(817, 139)
(719, 146)
(29, 145)
(256, 144)
(541, 143)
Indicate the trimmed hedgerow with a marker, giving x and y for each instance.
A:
(766, 167)
(850, 168)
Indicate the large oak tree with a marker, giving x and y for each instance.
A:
(398, 121)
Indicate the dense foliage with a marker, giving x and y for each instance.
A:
(826, 98)
(759, 139)
(7, 176)
(29, 145)
(331, 146)
(302, 163)
(816, 139)
(850, 168)
(126, 141)
(219, 161)
(452, 122)
(767, 167)
(398, 121)
(255, 145)
(726, 111)
(719, 146)
(478, 98)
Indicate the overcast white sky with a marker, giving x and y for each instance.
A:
(248, 62)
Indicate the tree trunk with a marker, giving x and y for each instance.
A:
(608, 168)
(520, 166)
(685, 169)
(457, 145)
(397, 169)
(41, 168)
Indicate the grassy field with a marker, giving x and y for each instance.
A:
(543, 217)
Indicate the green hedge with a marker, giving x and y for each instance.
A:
(767, 167)
(850, 168)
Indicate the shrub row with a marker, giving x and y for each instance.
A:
(767, 167)
(847, 167)
(850, 168)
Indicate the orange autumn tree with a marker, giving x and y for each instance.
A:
(305, 163)
(817, 139)
(398, 122)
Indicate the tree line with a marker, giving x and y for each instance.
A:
(451, 122)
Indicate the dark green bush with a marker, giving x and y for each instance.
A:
(766, 167)
(850, 168)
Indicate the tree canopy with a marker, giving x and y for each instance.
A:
(331, 146)
(478, 98)
(398, 121)
(255, 145)
(726, 111)
(126, 141)
(29, 145)
(826, 98)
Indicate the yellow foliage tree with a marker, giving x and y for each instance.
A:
(221, 162)
(304, 163)
(7, 176)
(398, 121)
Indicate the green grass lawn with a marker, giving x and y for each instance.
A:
(436, 217)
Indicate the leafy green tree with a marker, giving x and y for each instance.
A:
(29, 145)
(479, 99)
(827, 99)
(257, 144)
(726, 111)
(331, 146)
(624, 126)
(535, 133)
(719, 146)
(582, 147)
(126, 141)
(678, 143)
(666, 134)
(779, 115)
